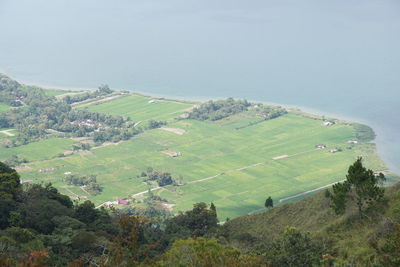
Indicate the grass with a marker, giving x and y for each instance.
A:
(38, 151)
(4, 107)
(55, 92)
(349, 237)
(138, 108)
(208, 149)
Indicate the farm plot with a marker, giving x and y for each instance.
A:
(38, 151)
(140, 108)
(239, 164)
(4, 108)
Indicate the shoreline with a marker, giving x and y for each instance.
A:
(386, 157)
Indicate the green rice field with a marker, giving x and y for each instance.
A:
(140, 108)
(4, 108)
(235, 169)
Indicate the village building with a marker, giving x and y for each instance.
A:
(328, 123)
(87, 123)
(352, 142)
(123, 202)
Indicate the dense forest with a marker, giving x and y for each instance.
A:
(41, 227)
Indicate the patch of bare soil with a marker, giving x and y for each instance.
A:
(174, 130)
(171, 153)
(280, 157)
(23, 168)
(107, 144)
(6, 132)
(168, 206)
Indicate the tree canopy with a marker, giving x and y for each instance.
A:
(361, 185)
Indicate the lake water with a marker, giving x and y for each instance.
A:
(339, 57)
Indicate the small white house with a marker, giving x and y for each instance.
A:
(328, 123)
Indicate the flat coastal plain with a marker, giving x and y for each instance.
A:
(234, 162)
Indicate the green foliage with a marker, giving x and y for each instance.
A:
(162, 178)
(38, 224)
(364, 133)
(152, 124)
(269, 203)
(89, 182)
(216, 110)
(103, 90)
(9, 182)
(40, 112)
(294, 249)
(363, 183)
(390, 250)
(339, 197)
(202, 252)
(196, 222)
(14, 161)
(73, 179)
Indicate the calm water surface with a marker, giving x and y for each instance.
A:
(339, 57)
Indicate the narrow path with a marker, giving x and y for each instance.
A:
(7, 132)
(297, 195)
(144, 192)
(94, 101)
(69, 94)
(84, 190)
(309, 191)
(66, 188)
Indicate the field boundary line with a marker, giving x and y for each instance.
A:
(297, 195)
(98, 101)
(309, 191)
(7, 132)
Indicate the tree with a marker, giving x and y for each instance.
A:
(9, 182)
(294, 249)
(269, 203)
(10, 186)
(213, 208)
(362, 185)
(202, 252)
(86, 212)
(196, 222)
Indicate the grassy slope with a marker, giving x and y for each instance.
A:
(350, 236)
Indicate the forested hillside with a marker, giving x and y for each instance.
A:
(41, 227)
